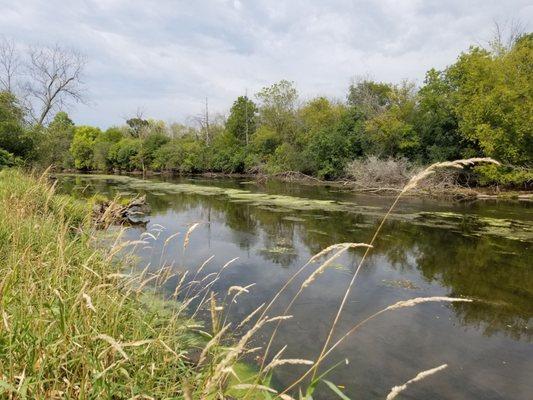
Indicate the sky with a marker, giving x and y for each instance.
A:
(165, 57)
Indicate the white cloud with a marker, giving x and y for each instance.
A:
(166, 56)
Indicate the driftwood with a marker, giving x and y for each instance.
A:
(111, 212)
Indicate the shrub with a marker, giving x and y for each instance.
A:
(6, 159)
(515, 177)
(184, 155)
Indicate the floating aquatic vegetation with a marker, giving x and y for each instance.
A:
(278, 250)
(400, 283)
(318, 232)
(293, 219)
(469, 225)
(477, 225)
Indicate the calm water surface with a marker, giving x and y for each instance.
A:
(482, 250)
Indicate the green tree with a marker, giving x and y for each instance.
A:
(136, 126)
(102, 147)
(278, 109)
(184, 155)
(493, 99)
(54, 142)
(14, 137)
(227, 154)
(318, 114)
(242, 120)
(392, 131)
(325, 146)
(150, 144)
(327, 153)
(436, 121)
(82, 148)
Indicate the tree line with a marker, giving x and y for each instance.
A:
(481, 105)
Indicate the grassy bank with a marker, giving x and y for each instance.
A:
(69, 327)
(75, 324)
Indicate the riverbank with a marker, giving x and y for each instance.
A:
(79, 323)
(438, 190)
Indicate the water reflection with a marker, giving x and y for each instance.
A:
(428, 248)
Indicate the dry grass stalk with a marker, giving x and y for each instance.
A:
(396, 390)
(250, 316)
(214, 340)
(246, 386)
(238, 291)
(114, 344)
(327, 250)
(178, 286)
(284, 396)
(341, 247)
(415, 180)
(279, 318)
(228, 264)
(420, 300)
(203, 265)
(231, 356)
(88, 302)
(291, 361)
(188, 234)
(214, 309)
(194, 281)
(167, 241)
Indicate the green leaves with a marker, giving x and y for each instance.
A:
(336, 390)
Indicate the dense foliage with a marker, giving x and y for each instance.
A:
(479, 106)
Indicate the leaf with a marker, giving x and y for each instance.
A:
(335, 389)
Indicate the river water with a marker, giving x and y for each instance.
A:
(482, 250)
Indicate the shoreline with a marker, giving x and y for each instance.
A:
(454, 193)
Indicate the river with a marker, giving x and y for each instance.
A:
(481, 250)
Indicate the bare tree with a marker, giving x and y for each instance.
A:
(505, 35)
(9, 64)
(54, 80)
(202, 121)
(370, 96)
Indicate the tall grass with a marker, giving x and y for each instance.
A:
(71, 327)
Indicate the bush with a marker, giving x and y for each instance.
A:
(184, 155)
(228, 155)
(326, 154)
(514, 177)
(285, 158)
(6, 159)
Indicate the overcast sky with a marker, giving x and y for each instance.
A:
(166, 56)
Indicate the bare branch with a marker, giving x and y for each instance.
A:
(54, 80)
(9, 64)
(505, 35)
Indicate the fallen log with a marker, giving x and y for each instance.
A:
(111, 212)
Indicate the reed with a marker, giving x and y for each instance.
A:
(396, 390)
